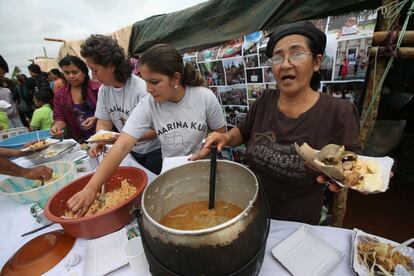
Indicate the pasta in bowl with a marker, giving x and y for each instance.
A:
(111, 217)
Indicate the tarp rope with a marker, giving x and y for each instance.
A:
(391, 10)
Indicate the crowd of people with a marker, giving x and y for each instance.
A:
(178, 112)
(30, 98)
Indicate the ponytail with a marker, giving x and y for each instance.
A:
(191, 77)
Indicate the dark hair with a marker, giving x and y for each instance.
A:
(21, 78)
(44, 75)
(315, 82)
(44, 94)
(68, 60)
(10, 83)
(34, 68)
(166, 60)
(105, 51)
(56, 72)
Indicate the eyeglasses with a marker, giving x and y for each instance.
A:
(295, 58)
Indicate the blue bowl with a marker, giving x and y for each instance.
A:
(17, 142)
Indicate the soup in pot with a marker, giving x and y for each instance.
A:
(196, 215)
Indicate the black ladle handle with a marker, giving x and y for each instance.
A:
(213, 165)
(38, 229)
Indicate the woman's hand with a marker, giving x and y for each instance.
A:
(89, 123)
(56, 131)
(80, 202)
(217, 138)
(332, 186)
(323, 179)
(96, 149)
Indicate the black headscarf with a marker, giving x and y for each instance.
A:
(305, 28)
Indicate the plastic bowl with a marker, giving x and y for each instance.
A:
(36, 158)
(20, 190)
(17, 142)
(39, 254)
(101, 223)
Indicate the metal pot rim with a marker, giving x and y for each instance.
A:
(206, 230)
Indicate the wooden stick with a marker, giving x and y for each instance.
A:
(54, 39)
(380, 38)
(405, 52)
(373, 79)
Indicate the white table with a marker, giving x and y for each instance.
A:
(16, 219)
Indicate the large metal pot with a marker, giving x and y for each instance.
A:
(234, 247)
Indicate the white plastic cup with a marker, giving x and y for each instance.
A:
(134, 252)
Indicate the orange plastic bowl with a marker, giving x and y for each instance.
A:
(39, 255)
(101, 223)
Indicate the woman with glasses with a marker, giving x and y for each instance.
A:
(295, 113)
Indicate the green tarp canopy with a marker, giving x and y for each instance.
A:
(216, 21)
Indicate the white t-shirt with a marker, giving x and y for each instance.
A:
(116, 104)
(181, 126)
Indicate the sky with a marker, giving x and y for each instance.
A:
(25, 23)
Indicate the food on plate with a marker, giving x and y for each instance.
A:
(38, 183)
(196, 215)
(105, 201)
(380, 258)
(103, 136)
(38, 145)
(344, 166)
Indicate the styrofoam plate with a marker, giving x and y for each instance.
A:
(304, 253)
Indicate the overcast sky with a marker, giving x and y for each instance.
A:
(24, 23)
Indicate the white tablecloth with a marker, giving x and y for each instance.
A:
(15, 219)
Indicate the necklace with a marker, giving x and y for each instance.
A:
(122, 111)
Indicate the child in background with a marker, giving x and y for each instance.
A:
(43, 115)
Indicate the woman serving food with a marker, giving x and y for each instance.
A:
(296, 112)
(180, 111)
